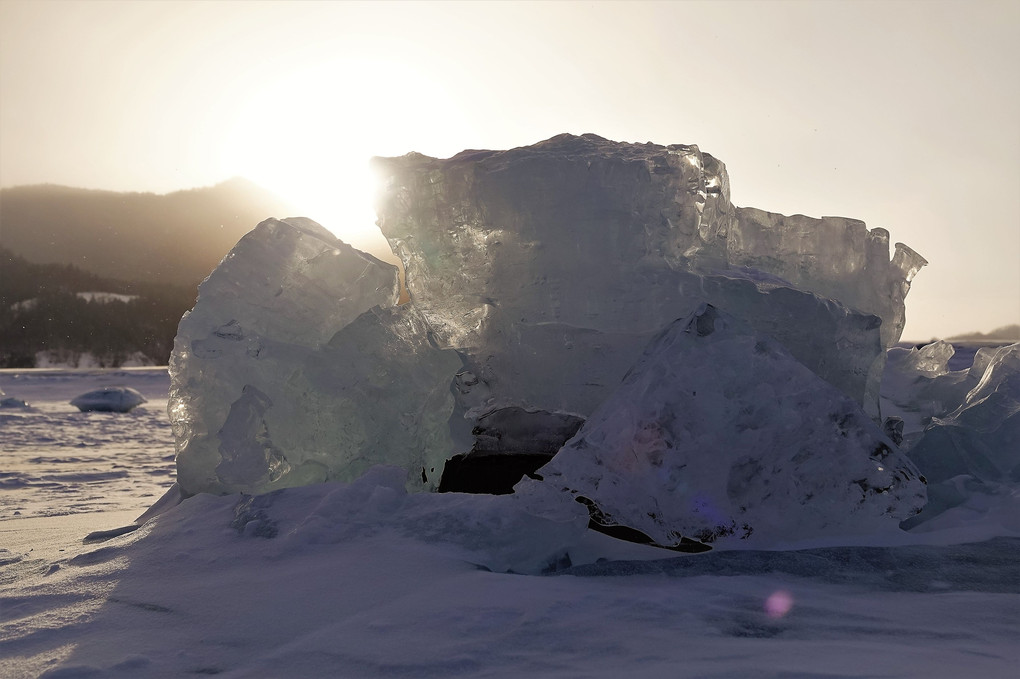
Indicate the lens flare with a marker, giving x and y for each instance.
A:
(778, 604)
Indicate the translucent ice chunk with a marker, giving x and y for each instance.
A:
(584, 231)
(719, 435)
(917, 385)
(981, 438)
(279, 371)
(836, 257)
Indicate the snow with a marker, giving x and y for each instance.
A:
(58, 461)
(366, 580)
(106, 297)
(11, 402)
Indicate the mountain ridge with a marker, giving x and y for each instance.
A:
(172, 238)
(1005, 333)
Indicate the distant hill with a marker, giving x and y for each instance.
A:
(176, 238)
(1007, 333)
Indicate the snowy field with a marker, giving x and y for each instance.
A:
(55, 460)
(363, 580)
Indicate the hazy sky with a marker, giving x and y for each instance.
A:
(903, 114)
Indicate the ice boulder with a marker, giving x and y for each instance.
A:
(549, 266)
(718, 435)
(292, 369)
(839, 344)
(918, 386)
(109, 400)
(980, 438)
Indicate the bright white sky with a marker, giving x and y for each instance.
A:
(903, 114)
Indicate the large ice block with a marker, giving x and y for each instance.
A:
(720, 436)
(563, 258)
(586, 232)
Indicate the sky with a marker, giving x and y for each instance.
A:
(903, 114)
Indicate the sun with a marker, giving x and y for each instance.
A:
(308, 135)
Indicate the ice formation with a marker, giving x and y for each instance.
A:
(536, 277)
(918, 386)
(836, 257)
(109, 400)
(719, 435)
(288, 372)
(570, 254)
(981, 437)
(961, 427)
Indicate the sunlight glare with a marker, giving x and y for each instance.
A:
(308, 135)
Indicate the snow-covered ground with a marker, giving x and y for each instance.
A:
(362, 580)
(55, 460)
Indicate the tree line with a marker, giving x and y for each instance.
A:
(41, 311)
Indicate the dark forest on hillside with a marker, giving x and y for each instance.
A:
(58, 241)
(41, 311)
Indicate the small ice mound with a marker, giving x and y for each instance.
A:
(109, 400)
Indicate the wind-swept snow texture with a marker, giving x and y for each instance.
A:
(364, 580)
(56, 460)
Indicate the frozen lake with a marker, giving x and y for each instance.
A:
(55, 460)
(359, 580)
